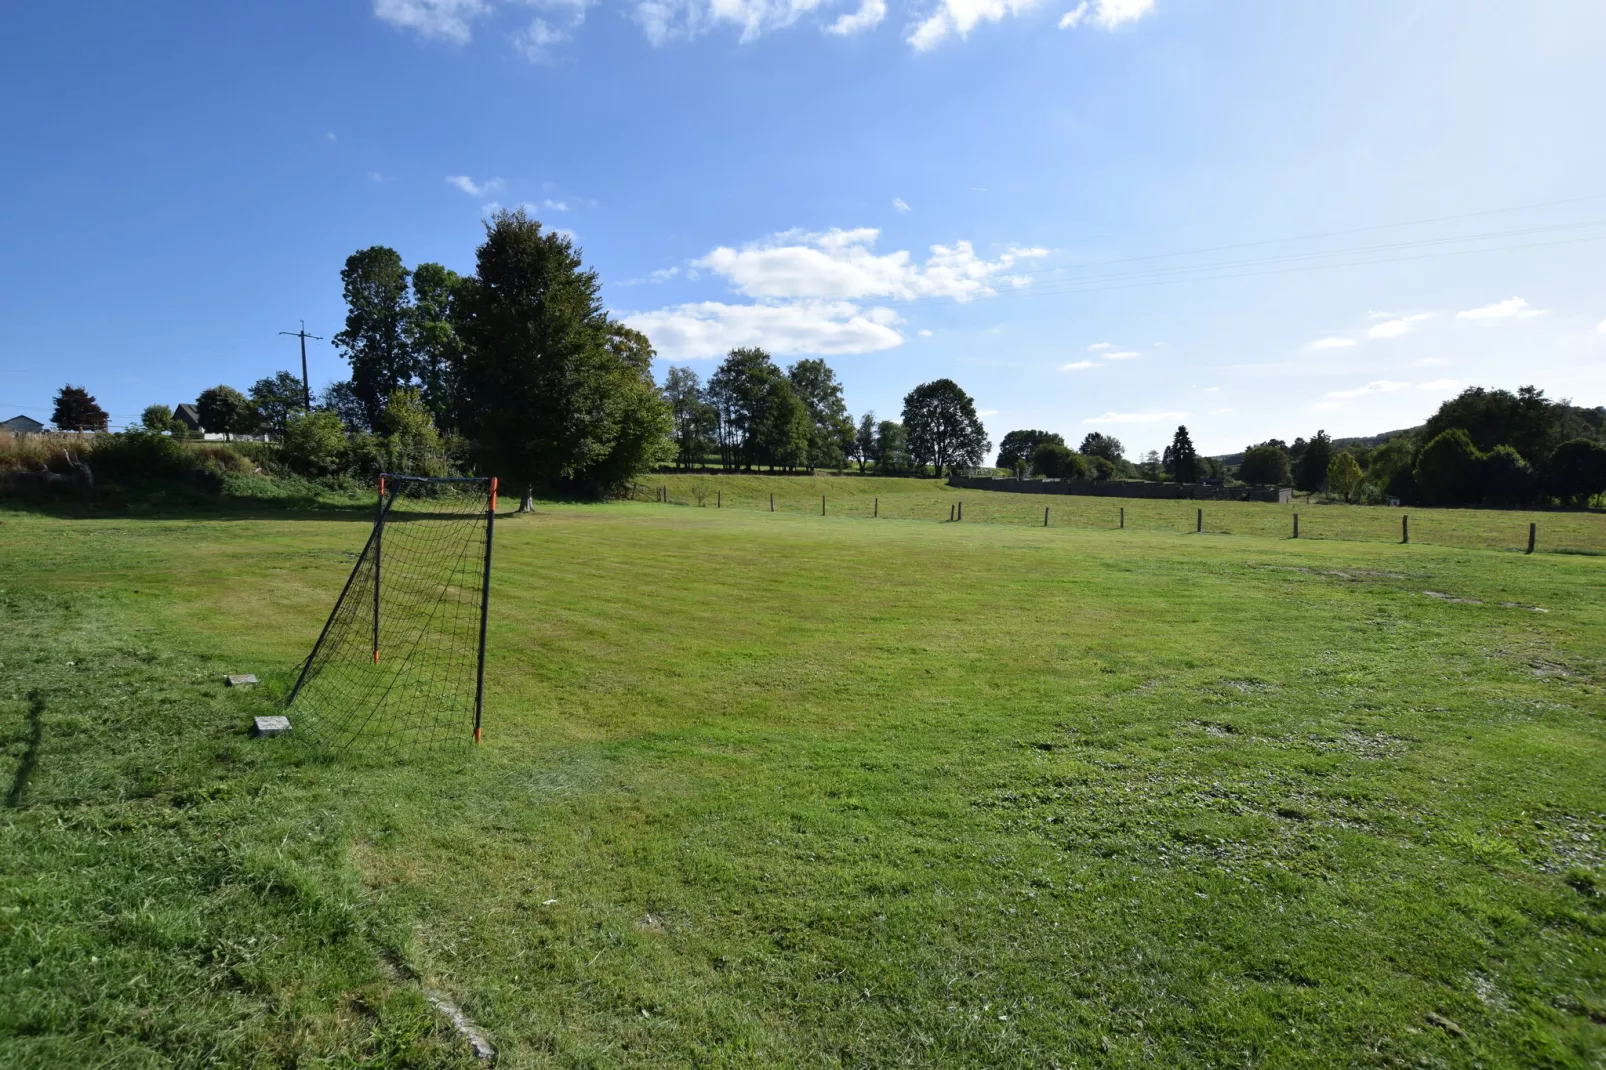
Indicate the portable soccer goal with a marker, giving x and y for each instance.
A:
(400, 663)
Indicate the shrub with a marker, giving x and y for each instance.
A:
(1101, 467)
(1344, 475)
(315, 443)
(1055, 461)
(1578, 471)
(1266, 465)
(1450, 470)
(1508, 478)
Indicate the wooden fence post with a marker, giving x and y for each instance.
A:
(1123, 517)
(822, 505)
(1296, 525)
(1533, 533)
(772, 501)
(961, 510)
(950, 512)
(1045, 516)
(719, 499)
(1199, 526)
(877, 512)
(1405, 527)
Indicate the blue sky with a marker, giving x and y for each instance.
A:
(991, 190)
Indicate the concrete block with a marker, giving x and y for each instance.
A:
(276, 725)
(236, 681)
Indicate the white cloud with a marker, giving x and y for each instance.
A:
(554, 206)
(1440, 384)
(668, 20)
(448, 19)
(711, 328)
(665, 274)
(1078, 366)
(841, 265)
(1331, 343)
(1378, 386)
(869, 15)
(900, 205)
(922, 332)
(1099, 347)
(1107, 14)
(960, 17)
(1212, 390)
(1125, 354)
(535, 41)
(1136, 417)
(1510, 308)
(375, 176)
(1394, 328)
(472, 188)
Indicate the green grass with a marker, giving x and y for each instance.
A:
(789, 791)
(930, 500)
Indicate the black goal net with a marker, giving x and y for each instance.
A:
(400, 663)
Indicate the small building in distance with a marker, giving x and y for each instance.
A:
(22, 425)
(187, 415)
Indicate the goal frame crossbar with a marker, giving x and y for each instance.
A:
(390, 484)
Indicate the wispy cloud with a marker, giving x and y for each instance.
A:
(1107, 14)
(1335, 342)
(472, 188)
(924, 333)
(899, 204)
(375, 176)
(1078, 366)
(1398, 326)
(1510, 308)
(869, 16)
(554, 206)
(1124, 354)
(1099, 347)
(1378, 386)
(449, 20)
(1136, 417)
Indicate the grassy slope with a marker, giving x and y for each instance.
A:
(818, 792)
(924, 499)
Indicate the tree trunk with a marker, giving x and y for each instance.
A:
(527, 503)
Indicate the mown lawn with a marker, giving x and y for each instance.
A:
(1559, 531)
(789, 791)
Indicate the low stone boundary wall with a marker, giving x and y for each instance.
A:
(1120, 488)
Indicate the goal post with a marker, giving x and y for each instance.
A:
(400, 662)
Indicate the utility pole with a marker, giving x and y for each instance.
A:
(306, 389)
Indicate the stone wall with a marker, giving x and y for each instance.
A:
(1117, 488)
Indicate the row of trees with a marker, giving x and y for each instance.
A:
(1482, 447)
(752, 414)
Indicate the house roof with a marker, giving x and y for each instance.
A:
(188, 414)
(22, 423)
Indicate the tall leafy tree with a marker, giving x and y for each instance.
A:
(891, 449)
(277, 398)
(375, 340)
(740, 388)
(831, 436)
(1181, 460)
(157, 419)
(1056, 461)
(1449, 470)
(1098, 444)
(554, 394)
(1310, 469)
(943, 428)
(1527, 420)
(1344, 475)
(864, 441)
(1265, 464)
(341, 399)
(430, 331)
(225, 411)
(695, 420)
(1021, 445)
(76, 410)
(783, 430)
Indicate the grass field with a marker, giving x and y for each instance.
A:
(789, 791)
(929, 499)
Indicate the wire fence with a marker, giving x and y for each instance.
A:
(1575, 532)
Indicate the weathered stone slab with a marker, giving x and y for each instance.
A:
(236, 681)
(276, 725)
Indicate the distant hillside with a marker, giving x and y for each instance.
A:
(1367, 442)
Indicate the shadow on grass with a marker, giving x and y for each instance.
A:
(30, 754)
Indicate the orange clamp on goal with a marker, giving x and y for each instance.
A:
(493, 494)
